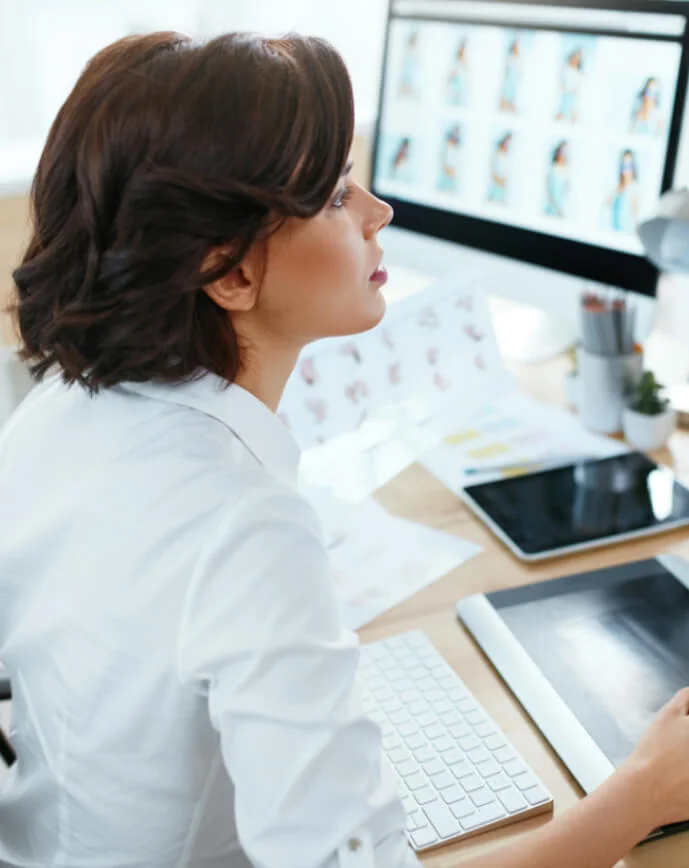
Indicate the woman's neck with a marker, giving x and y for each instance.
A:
(266, 375)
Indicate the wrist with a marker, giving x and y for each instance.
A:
(639, 797)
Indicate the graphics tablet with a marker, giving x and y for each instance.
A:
(591, 657)
(579, 506)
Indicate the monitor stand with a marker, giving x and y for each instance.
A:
(528, 334)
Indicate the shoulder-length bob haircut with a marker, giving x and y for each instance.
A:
(166, 150)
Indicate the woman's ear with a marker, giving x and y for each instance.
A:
(238, 290)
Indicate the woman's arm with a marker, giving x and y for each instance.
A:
(650, 790)
(596, 833)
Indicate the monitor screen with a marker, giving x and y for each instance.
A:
(540, 131)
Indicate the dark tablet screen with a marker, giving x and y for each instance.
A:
(583, 503)
(614, 644)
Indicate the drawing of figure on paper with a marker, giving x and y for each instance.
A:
(570, 86)
(307, 370)
(429, 318)
(395, 374)
(387, 338)
(318, 408)
(352, 350)
(624, 204)
(465, 302)
(479, 362)
(500, 169)
(472, 332)
(432, 355)
(512, 76)
(357, 391)
(441, 382)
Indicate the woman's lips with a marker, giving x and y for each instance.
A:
(379, 276)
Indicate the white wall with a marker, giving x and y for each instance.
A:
(45, 43)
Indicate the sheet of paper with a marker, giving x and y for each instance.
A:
(380, 560)
(508, 434)
(365, 408)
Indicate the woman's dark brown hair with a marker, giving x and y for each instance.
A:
(166, 150)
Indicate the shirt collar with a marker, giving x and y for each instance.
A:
(259, 429)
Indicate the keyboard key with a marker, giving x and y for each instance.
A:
(512, 800)
(424, 837)
(444, 743)
(399, 715)
(483, 730)
(440, 706)
(450, 718)
(433, 730)
(415, 781)
(491, 813)
(494, 742)
(452, 794)
(525, 781)
(442, 820)
(473, 821)
(478, 755)
(425, 684)
(418, 706)
(469, 742)
(423, 754)
(416, 820)
(442, 780)
(499, 782)
(463, 808)
(452, 756)
(536, 795)
(514, 767)
(459, 730)
(482, 797)
(426, 795)
(406, 768)
(436, 695)
(462, 769)
(475, 717)
(433, 766)
(408, 803)
(472, 783)
(426, 718)
(488, 768)
(398, 755)
(504, 754)
(406, 729)
(390, 742)
(415, 741)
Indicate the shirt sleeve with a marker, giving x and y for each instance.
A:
(261, 637)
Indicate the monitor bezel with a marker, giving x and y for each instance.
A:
(602, 265)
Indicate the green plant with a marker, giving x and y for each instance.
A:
(646, 396)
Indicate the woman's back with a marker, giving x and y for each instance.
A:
(105, 503)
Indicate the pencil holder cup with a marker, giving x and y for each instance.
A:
(604, 383)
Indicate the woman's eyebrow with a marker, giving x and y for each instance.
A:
(348, 168)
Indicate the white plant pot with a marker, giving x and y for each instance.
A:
(647, 433)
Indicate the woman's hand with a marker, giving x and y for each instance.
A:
(661, 762)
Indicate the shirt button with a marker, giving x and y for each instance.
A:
(354, 844)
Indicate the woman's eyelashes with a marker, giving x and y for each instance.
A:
(343, 195)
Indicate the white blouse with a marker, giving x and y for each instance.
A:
(184, 693)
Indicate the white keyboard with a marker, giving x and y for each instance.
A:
(458, 773)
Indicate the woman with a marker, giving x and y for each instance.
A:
(410, 65)
(557, 186)
(646, 116)
(512, 77)
(572, 78)
(184, 691)
(500, 170)
(624, 206)
(449, 160)
(458, 80)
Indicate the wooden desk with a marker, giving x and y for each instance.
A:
(416, 495)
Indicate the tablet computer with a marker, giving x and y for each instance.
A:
(591, 657)
(592, 503)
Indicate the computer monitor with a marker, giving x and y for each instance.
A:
(541, 131)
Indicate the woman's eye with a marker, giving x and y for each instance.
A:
(341, 197)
